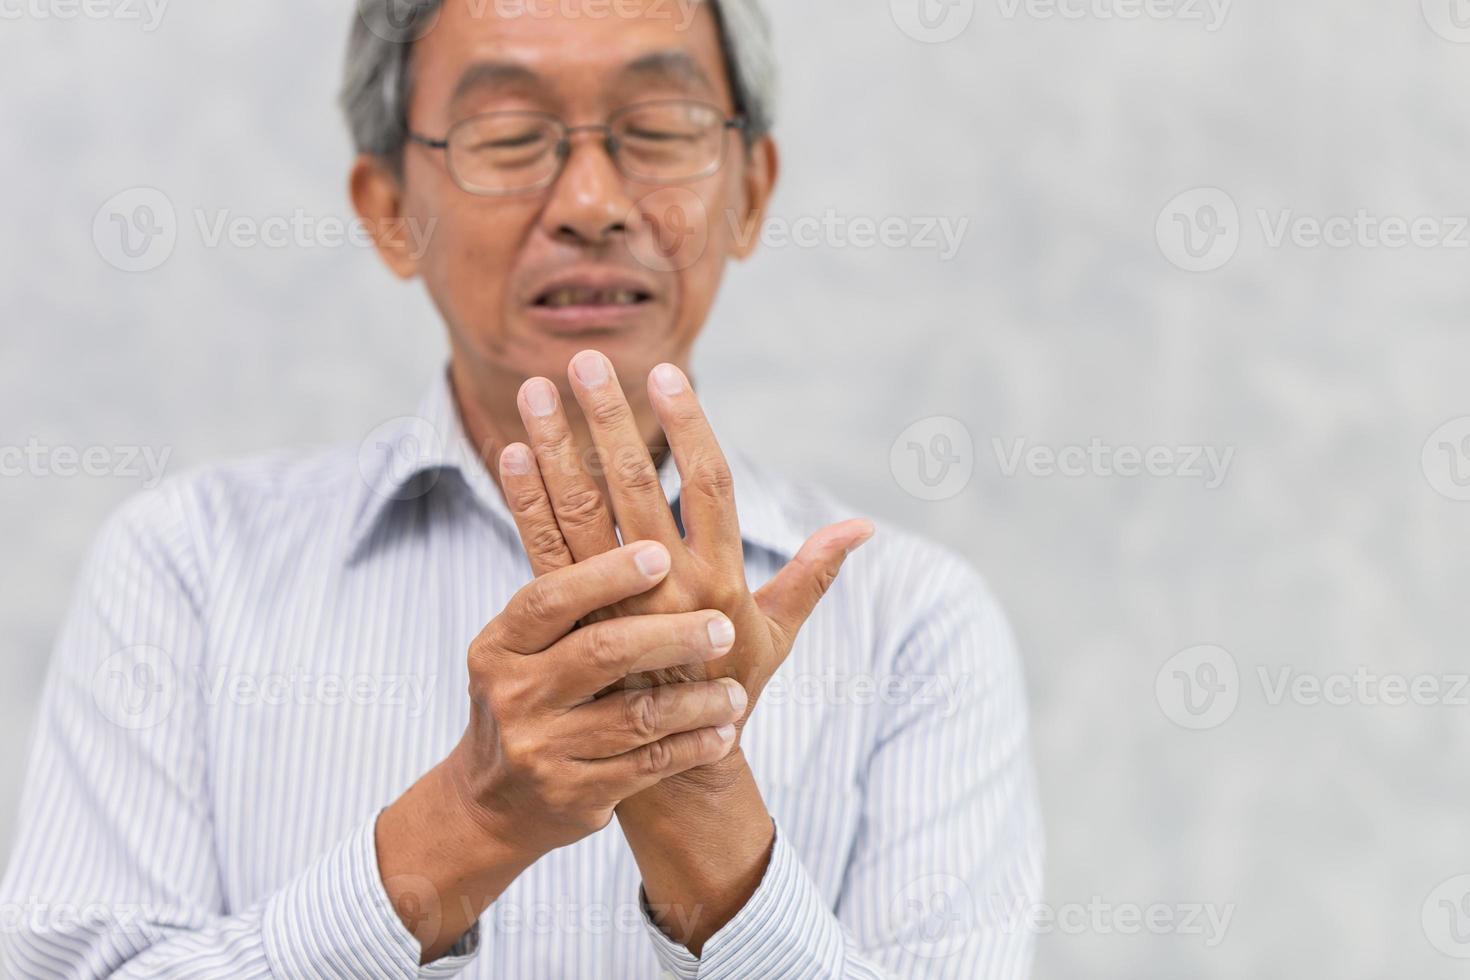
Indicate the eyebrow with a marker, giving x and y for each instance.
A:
(669, 66)
(490, 75)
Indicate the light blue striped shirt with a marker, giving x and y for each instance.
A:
(261, 656)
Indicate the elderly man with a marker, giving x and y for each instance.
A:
(256, 754)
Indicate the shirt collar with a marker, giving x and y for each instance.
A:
(409, 457)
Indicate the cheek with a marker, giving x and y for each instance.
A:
(468, 265)
(700, 281)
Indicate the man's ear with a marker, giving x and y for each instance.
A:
(377, 196)
(762, 167)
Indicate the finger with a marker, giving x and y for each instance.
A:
(586, 662)
(638, 500)
(632, 772)
(546, 610)
(707, 496)
(525, 494)
(582, 513)
(789, 598)
(626, 720)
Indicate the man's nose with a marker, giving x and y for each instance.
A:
(589, 203)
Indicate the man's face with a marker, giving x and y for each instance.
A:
(597, 259)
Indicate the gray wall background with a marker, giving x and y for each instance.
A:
(1334, 544)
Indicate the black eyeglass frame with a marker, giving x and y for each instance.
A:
(610, 143)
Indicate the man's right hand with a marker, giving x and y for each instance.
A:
(545, 760)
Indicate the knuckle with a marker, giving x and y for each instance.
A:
(635, 471)
(482, 651)
(486, 690)
(492, 640)
(724, 596)
(581, 507)
(542, 600)
(560, 445)
(601, 649)
(558, 795)
(521, 754)
(481, 691)
(508, 693)
(712, 475)
(655, 758)
(609, 411)
(641, 713)
(706, 745)
(546, 539)
(526, 498)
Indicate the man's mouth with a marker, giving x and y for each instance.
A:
(571, 297)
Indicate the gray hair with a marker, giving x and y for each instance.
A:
(377, 79)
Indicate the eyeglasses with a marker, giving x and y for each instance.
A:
(667, 142)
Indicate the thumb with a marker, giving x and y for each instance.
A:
(789, 598)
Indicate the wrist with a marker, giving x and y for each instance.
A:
(702, 842)
(709, 785)
(439, 867)
(490, 841)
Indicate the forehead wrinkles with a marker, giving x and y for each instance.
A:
(532, 53)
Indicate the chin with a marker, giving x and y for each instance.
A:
(634, 352)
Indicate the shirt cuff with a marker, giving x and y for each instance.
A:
(785, 930)
(336, 920)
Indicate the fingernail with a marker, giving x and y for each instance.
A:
(516, 460)
(738, 698)
(590, 368)
(864, 537)
(540, 397)
(652, 561)
(726, 733)
(669, 379)
(721, 634)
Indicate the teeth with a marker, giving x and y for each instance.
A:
(573, 296)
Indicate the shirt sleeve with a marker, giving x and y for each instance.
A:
(113, 872)
(947, 866)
